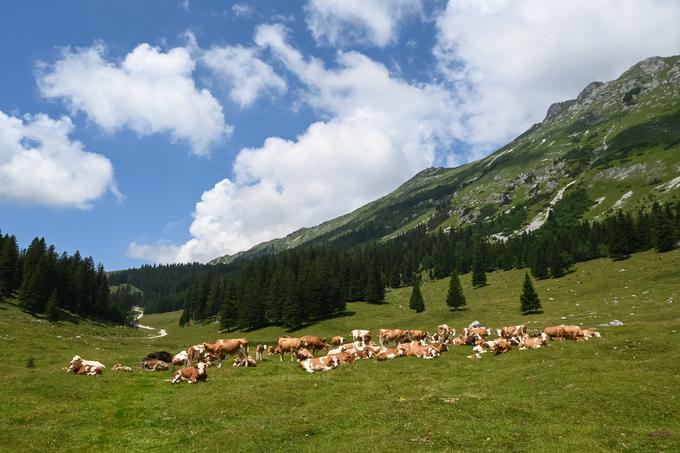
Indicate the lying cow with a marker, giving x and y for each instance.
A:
(344, 357)
(414, 349)
(78, 361)
(121, 367)
(389, 353)
(325, 363)
(512, 331)
(160, 355)
(154, 365)
(444, 333)
(533, 342)
(181, 358)
(191, 374)
(466, 340)
(590, 333)
(563, 332)
(337, 340)
(86, 369)
(363, 336)
(481, 331)
(245, 362)
(500, 346)
(395, 335)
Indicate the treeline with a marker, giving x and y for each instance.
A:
(311, 283)
(44, 281)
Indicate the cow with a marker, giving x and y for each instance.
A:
(562, 332)
(313, 343)
(439, 347)
(590, 333)
(414, 349)
(325, 363)
(389, 353)
(474, 356)
(363, 336)
(222, 348)
(153, 365)
(81, 368)
(260, 349)
(466, 340)
(533, 342)
(344, 357)
(512, 331)
(500, 346)
(191, 374)
(303, 353)
(121, 367)
(195, 353)
(418, 335)
(337, 340)
(444, 333)
(395, 335)
(245, 362)
(181, 358)
(80, 361)
(481, 331)
(160, 355)
(288, 345)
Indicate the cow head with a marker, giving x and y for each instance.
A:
(201, 368)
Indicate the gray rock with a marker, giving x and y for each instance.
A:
(557, 108)
(615, 323)
(587, 91)
(474, 324)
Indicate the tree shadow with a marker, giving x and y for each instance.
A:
(344, 314)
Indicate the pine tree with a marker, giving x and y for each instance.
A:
(558, 267)
(663, 233)
(9, 265)
(51, 307)
(395, 277)
(538, 262)
(478, 274)
(291, 314)
(455, 297)
(375, 288)
(416, 301)
(529, 299)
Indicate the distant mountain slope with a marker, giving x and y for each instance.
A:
(617, 146)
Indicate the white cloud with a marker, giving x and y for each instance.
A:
(380, 131)
(40, 164)
(150, 91)
(510, 59)
(246, 75)
(242, 9)
(341, 22)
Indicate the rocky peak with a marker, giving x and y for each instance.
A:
(652, 65)
(587, 91)
(557, 108)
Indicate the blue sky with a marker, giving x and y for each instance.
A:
(165, 131)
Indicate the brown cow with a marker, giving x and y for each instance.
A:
(414, 349)
(466, 340)
(86, 369)
(500, 345)
(344, 357)
(395, 335)
(222, 348)
(533, 342)
(481, 331)
(259, 352)
(444, 333)
(590, 333)
(326, 363)
(313, 343)
(389, 353)
(288, 345)
(337, 340)
(418, 335)
(77, 360)
(121, 367)
(512, 331)
(153, 365)
(181, 358)
(190, 374)
(363, 336)
(245, 362)
(562, 332)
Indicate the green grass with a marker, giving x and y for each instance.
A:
(607, 394)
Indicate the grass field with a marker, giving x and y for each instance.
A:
(620, 392)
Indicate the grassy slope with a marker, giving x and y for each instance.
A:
(606, 394)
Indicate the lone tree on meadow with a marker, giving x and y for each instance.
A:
(416, 302)
(478, 275)
(455, 297)
(529, 299)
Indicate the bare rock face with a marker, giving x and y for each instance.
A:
(587, 91)
(652, 65)
(557, 108)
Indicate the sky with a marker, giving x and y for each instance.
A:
(178, 131)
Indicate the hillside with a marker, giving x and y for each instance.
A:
(617, 143)
(616, 393)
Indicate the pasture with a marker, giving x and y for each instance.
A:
(620, 392)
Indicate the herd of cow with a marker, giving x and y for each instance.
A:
(415, 343)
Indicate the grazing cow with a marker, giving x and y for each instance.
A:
(181, 358)
(500, 345)
(444, 333)
(77, 360)
(288, 345)
(533, 342)
(121, 367)
(337, 340)
(389, 353)
(590, 333)
(512, 331)
(418, 335)
(259, 352)
(245, 362)
(395, 335)
(562, 332)
(222, 348)
(160, 355)
(313, 343)
(153, 365)
(326, 363)
(190, 374)
(481, 331)
(363, 336)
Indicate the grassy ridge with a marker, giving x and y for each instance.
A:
(612, 394)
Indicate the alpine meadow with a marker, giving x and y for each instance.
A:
(373, 262)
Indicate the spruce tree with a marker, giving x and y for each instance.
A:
(455, 297)
(558, 267)
(375, 288)
(9, 265)
(291, 314)
(663, 233)
(51, 307)
(529, 299)
(416, 301)
(478, 274)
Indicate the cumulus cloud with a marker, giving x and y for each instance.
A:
(149, 91)
(510, 59)
(40, 164)
(243, 72)
(342, 22)
(380, 131)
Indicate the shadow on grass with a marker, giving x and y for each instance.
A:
(344, 314)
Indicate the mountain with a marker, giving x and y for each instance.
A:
(616, 146)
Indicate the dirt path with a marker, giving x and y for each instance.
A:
(139, 312)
